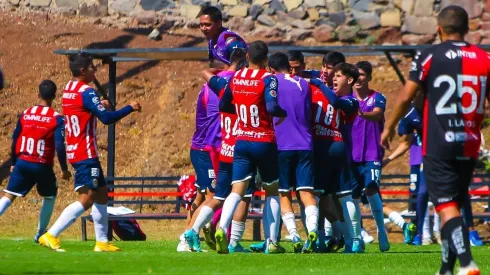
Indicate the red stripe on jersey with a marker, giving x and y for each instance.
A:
(326, 118)
(425, 119)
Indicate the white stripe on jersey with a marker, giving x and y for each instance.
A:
(67, 87)
(83, 88)
(244, 72)
(44, 111)
(34, 110)
(73, 86)
(266, 74)
(25, 112)
(429, 57)
(94, 126)
(254, 73)
(87, 140)
(411, 110)
(236, 73)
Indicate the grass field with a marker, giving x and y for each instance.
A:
(159, 257)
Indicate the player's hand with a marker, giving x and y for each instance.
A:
(136, 106)
(12, 168)
(106, 103)
(386, 138)
(66, 175)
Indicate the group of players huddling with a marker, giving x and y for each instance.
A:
(264, 119)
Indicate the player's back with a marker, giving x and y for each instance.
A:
(36, 142)
(255, 123)
(326, 118)
(80, 124)
(454, 76)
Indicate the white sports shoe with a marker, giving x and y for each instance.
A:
(368, 239)
(183, 246)
(471, 269)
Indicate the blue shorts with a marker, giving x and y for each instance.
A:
(27, 174)
(206, 179)
(415, 177)
(250, 156)
(332, 172)
(296, 170)
(88, 173)
(367, 174)
(223, 183)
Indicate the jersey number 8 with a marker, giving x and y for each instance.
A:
(254, 115)
(443, 108)
(329, 114)
(72, 125)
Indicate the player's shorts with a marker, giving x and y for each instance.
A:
(414, 178)
(296, 170)
(331, 168)
(89, 173)
(203, 166)
(367, 175)
(448, 180)
(27, 174)
(223, 182)
(250, 156)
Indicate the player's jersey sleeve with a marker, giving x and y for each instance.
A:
(15, 137)
(216, 84)
(59, 141)
(225, 104)
(380, 101)
(270, 94)
(92, 104)
(420, 67)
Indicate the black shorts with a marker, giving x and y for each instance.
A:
(448, 180)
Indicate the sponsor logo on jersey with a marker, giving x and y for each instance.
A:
(273, 93)
(100, 107)
(95, 100)
(37, 118)
(69, 95)
(246, 82)
(451, 54)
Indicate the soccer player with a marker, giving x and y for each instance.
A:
(366, 152)
(453, 76)
(81, 109)
(295, 145)
(329, 61)
(254, 93)
(38, 134)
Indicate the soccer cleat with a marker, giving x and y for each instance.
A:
(193, 240)
(475, 239)
(274, 248)
(471, 269)
(368, 239)
(183, 246)
(207, 236)
(427, 241)
(310, 242)
(221, 242)
(437, 236)
(384, 244)
(106, 247)
(409, 230)
(51, 242)
(417, 240)
(238, 248)
(348, 250)
(321, 246)
(258, 247)
(38, 235)
(358, 245)
(297, 244)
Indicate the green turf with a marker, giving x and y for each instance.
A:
(160, 257)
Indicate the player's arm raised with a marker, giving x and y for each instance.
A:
(209, 73)
(348, 105)
(59, 142)
(91, 102)
(403, 147)
(15, 136)
(270, 94)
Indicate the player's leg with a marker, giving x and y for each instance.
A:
(421, 209)
(357, 183)
(238, 225)
(467, 212)
(409, 229)
(19, 185)
(47, 188)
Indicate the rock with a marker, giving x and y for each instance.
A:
(423, 8)
(93, 10)
(337, 18)
(247, 1)
(298, 34)
(405, 5)
(334, 6)
(485, 34)
(473, 37)
(415, 39)
(123, 6)
(367, 20)
(324, 21)
(313, 14)
(419, 25)
(347, 33)
(485, 16)
(229, 2)
(147, 18)
(276, 5)
(269, 11)
(267, 32)
(473, 7)
(323, 12)
(157, 5)
(391, 18)
(315, 3)
(324, 33)
(297, 14)
(40, 3)
(241, 25)
(193, 23)
(389, 35)
(190, 11)
(154, 35)
(67, 3)
(14, 2)
(292, 4)
(239, 11)
(475, 24)
(266, 20)
(360, 5)
(261, 2)
(283, 17)
(485, 26)
(66, 11)
(255, 11)
(302, 24)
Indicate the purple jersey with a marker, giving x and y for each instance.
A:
(222, 48)
(294, 131)
(412, 124)
(366, 134)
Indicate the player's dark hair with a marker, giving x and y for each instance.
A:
(79, 61)
(213, 12)
(295, 55)
(333, 58)
(366, 67)
(258, 51)
(47, 89)
(239, 57)
(279, 62)
(348, 70)
(453, 19)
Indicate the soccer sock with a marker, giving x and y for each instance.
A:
(426, 225)
(358, 228)
(216, 217)
(457, 235)
(265, 220)
(274, 217)
(327, 227)
(290, 222)
(205, 215)
(337, 230)
(101, 221)
(237, 229)
(397, 219)
(229, 207)
(67, 218)
(312, 214)
(437, 223)
(4, 204)
(377, 211)
(347, 232)
(45, 214)
(350, 214)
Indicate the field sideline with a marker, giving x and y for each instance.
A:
(159, 257)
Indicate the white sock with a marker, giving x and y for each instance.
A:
(274, 217)
(358, 229)
(4, 204)
(67, 218)
(265, 220)
(437, 223)
(312, 214)
(377, 211)
(182, 237)
(426, 229)
(337, 230)
(349, 212)
(397, 219)
(205, 215)
(237, 229)
(45, 214)
(101, 222)
(290, 222)
(328, 228)
(229, 206)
